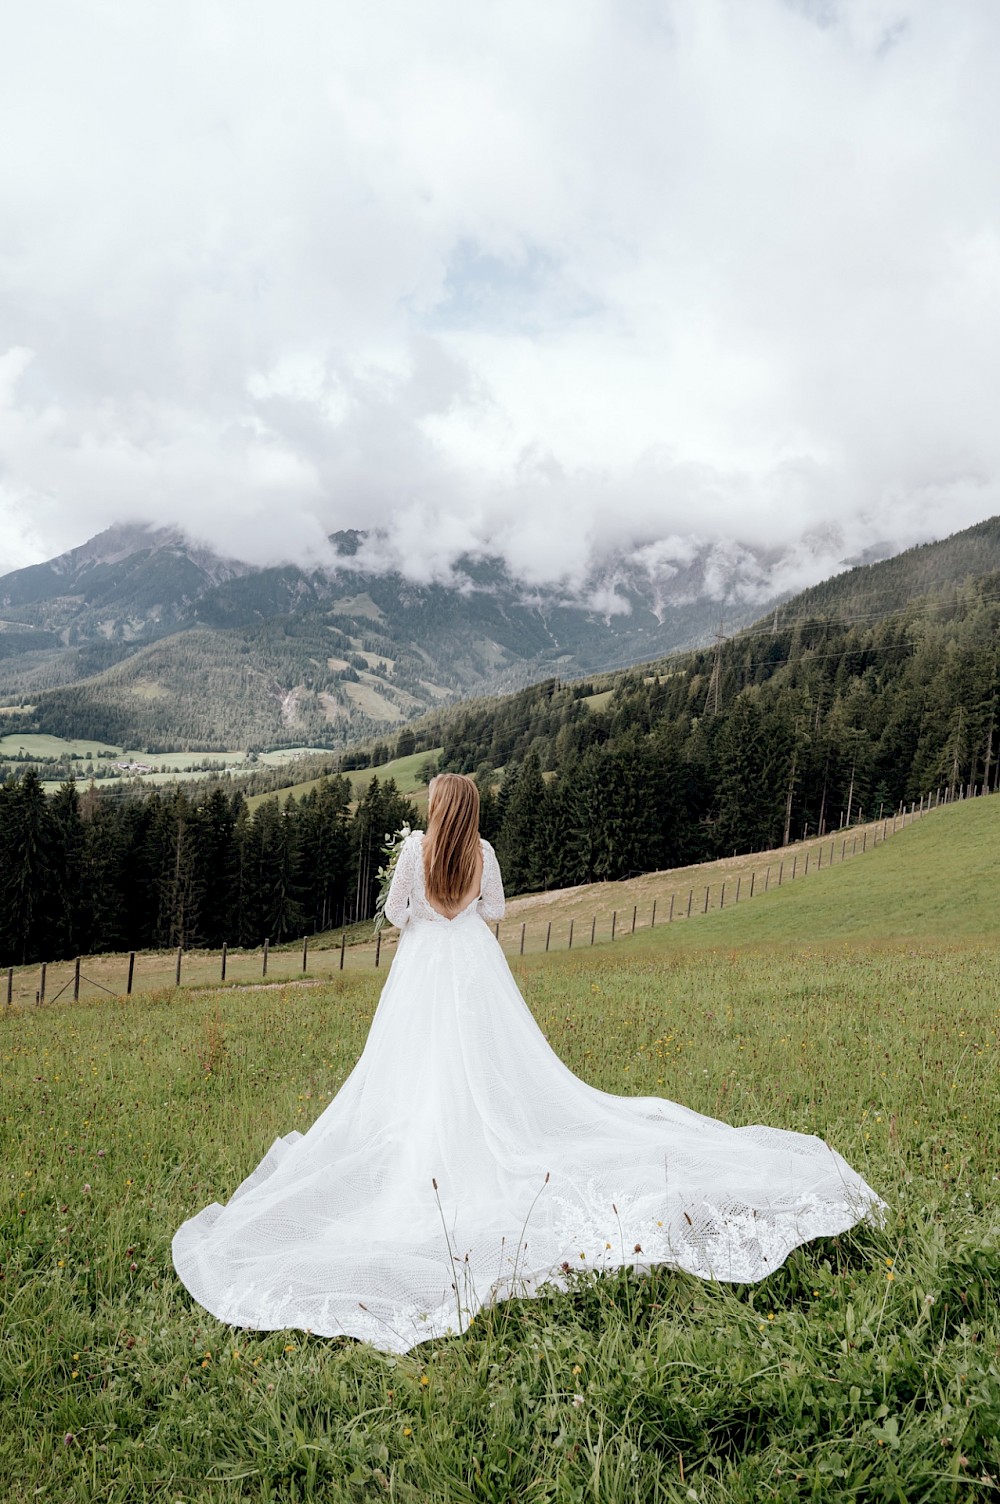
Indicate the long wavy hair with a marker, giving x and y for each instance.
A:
(451, 845)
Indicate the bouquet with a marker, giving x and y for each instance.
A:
(393, 846)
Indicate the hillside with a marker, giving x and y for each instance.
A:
(141, 639)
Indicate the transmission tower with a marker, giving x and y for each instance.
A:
(713, 699)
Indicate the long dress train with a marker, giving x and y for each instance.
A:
(462, 1162)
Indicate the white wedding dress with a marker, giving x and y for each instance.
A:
(461, 1162)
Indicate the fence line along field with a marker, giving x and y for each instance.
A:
(864, 1007)
(561, 919)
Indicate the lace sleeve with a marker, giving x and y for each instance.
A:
(397, 903)
(491, 900)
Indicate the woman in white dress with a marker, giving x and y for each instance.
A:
(461, 1162)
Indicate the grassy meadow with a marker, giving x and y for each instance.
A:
(862, 1005)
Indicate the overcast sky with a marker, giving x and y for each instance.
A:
(529, 276)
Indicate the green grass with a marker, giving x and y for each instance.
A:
(867, 1368)
(405, 770)
(32, 746)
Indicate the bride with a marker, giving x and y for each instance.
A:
(462, 1162)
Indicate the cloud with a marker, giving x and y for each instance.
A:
(551, 281)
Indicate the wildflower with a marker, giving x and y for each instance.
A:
(890, 1276)
(62, 1263)
(86, 1188)
(576, 1369)
(889, 1263)
(75, 1374)
(289, 1347)
(424, 1381)
(770, 1315)
(577, 1401)
(68, 1439)
(407, 1430)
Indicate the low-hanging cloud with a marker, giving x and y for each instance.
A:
(550, 282)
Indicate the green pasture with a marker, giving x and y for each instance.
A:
(405, 771)
(867, 1368)
(33, 746)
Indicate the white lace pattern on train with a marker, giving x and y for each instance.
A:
(462, 1162)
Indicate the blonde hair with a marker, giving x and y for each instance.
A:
(451, 845)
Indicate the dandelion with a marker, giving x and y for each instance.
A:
(289, 1347)
(62, 1263)
(407, 1430)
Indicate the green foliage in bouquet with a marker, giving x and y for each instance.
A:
(393, 846)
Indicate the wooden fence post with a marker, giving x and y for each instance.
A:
(690, 897)
(652, 921)
(266, 949)
(521, 952)
(76, 980)
(767, 879)
(670, 917)
(41, 985)
(614, 920)
(343, 947)
(225, 957)
(635, 910)
(819, 863)
(378, 946)
(305, 952)
(795, 863)
(548, 935)
(781, 872)
(177, 973)
(131, 973)
(705, 909)
(722, 897)
(805, 871)
(10, 985)
(738, 882)
(753, 879)
(593, 929)
(570, 945)
(864, 841)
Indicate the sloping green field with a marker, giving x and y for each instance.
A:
(862, 1004)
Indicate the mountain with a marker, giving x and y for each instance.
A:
(141, 638)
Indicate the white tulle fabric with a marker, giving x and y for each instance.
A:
(342, 1231)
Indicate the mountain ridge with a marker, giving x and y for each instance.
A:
(141, 637)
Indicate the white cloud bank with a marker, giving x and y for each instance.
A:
(538, 279)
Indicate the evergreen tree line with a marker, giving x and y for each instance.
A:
(774, 736)
(82, 873)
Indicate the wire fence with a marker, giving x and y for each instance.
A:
(567, 920)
